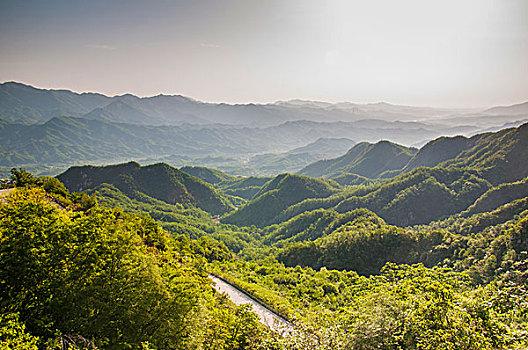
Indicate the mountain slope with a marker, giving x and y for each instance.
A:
(364, 159)
(25, 104)
(208, 175)
(502, 156)
(159, 181)
(417, 197)
(246, 187)
(277, 195)
(156, 110)
(499, 195)
(438, 151)
(325, 147)
(520, 108)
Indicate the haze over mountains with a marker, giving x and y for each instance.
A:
(404, 186)
(48, 130)
(359, 169)
(455, 179)
(26, 104)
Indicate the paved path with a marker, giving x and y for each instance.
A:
(266, 316)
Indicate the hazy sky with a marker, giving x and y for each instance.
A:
(440, 53)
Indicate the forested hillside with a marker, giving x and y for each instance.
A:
(84, 278)
(384, 263)
(309, 267)
(277, 195)
(159, 181)
(211, 176)
(418, 195)
(364, 159)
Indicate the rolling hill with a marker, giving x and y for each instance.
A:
(469, 175)
(212, 176)
(364, 159)
(497, 154)
(277, 195)
(159, 181)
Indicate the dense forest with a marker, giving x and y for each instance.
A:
(422, 249)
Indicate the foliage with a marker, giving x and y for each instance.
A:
(420, 196)
(159, 181)
(21, 177)
(211, 176)
(364, 159)
(104, 275)
(246, 187)
(13, 334)
(349, 179)
(96, 266)
(404, 307)
(500, 155)
(499, 195)
(358, 241)
(276, 196)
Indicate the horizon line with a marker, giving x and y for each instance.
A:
(275, 102)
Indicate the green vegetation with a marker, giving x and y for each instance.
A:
(246, 187)
(159, 181)
(403, 307)
(437, 151)
(102, 277)
(364, 159)
(499, 195)
(423, 195)
(358, 241)
(500, 155)
(208, 175)
(348, 179)
(277, 195)
(425, 258)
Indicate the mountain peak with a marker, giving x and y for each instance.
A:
(159, 181)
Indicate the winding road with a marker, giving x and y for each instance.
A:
(266, 316)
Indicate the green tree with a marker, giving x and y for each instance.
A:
(21, 177)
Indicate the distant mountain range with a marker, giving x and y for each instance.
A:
(20, 103)
(517, 109)
(54, 129)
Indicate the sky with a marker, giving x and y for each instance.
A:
(451, 53)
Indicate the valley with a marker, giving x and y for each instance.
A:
(264, 175)
(48, 131)
(356, 234)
